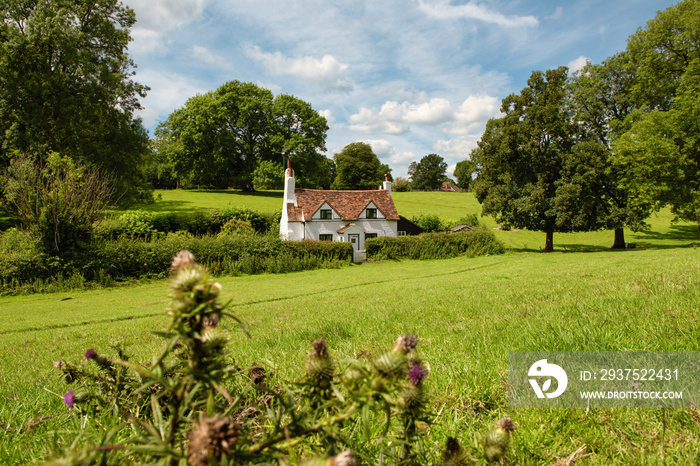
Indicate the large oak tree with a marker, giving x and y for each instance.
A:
(66, 85)
(219, 138)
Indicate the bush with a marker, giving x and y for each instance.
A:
(431, 223)
(477, 242)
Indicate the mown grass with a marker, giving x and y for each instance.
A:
(468, 314)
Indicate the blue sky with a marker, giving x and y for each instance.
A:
(409, 77)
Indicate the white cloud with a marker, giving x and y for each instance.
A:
(330, 119)
(457, 148)
(578, 64)
(327, 72)
(203, 54)
(167, 93)
(443, 10)
(395, 118)
(473, 114)
(157, 17)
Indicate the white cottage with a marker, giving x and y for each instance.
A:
(329, 215)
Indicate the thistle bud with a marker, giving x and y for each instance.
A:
(497, 441)
(346, 458)
(210, 439)
(319, 366)
(182, 259)
(391, 363)
(406, 343)
(454, 454)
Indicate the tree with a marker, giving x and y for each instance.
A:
(519, 156)
(590, 193)
(358, 167)
(463, 173)
(219, 138)
(268, 175)
(659, 155)
(66, 86)
(427, 174)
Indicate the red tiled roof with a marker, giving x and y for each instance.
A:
(348, 204)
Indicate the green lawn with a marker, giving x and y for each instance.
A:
(468, 314)
(450, 207)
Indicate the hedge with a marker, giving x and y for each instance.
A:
(476, 242)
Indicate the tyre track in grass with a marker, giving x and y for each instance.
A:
(252, 303)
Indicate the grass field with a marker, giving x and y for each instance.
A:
(468, 314)
(450, 207)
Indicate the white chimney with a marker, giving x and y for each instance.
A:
(387, 183)
(289, 185)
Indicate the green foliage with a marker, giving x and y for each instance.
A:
(67, 86)
(520, 156)
(476, 242)
(401, 185)
(427, 174)
(358, 167)
(268, 175)
(463, 172)
(659, 154)
(219, 138)
(59, 201)
(430, 223)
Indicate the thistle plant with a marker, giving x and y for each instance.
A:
(193, 405)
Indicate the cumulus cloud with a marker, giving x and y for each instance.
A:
(443, 10)
(578, 64)
(203, 54)
(395, 118)
(168, 92)
(327, 72)
(473, 114)
(157, 17)
(457, 148)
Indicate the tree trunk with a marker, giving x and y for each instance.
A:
(549, 242)
(619, 239)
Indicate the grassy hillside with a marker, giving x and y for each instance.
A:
(450, 207)
(468, 314)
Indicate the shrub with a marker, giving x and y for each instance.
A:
(59, 201)
(401, 185)
(478, 241)
(431, 223)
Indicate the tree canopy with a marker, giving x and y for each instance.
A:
(66, 85)
(463, 172)
(358, 167)
(428, 173)
(659, 154)
(219, 138)
(520, 156)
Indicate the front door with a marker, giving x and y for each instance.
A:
(355, 240)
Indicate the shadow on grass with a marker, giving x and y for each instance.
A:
(675, 233)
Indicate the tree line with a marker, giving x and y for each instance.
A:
(605, 147)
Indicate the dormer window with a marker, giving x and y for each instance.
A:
(326, 214)
(371, 213)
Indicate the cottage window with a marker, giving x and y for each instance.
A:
(325, 237)
(402, 233)
(370, 235)
(371, 213)
(326, 214)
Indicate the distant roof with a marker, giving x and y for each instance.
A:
(348, 204)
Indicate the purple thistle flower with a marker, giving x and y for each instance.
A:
(91, 354)
(417, 373)
(69, 398)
